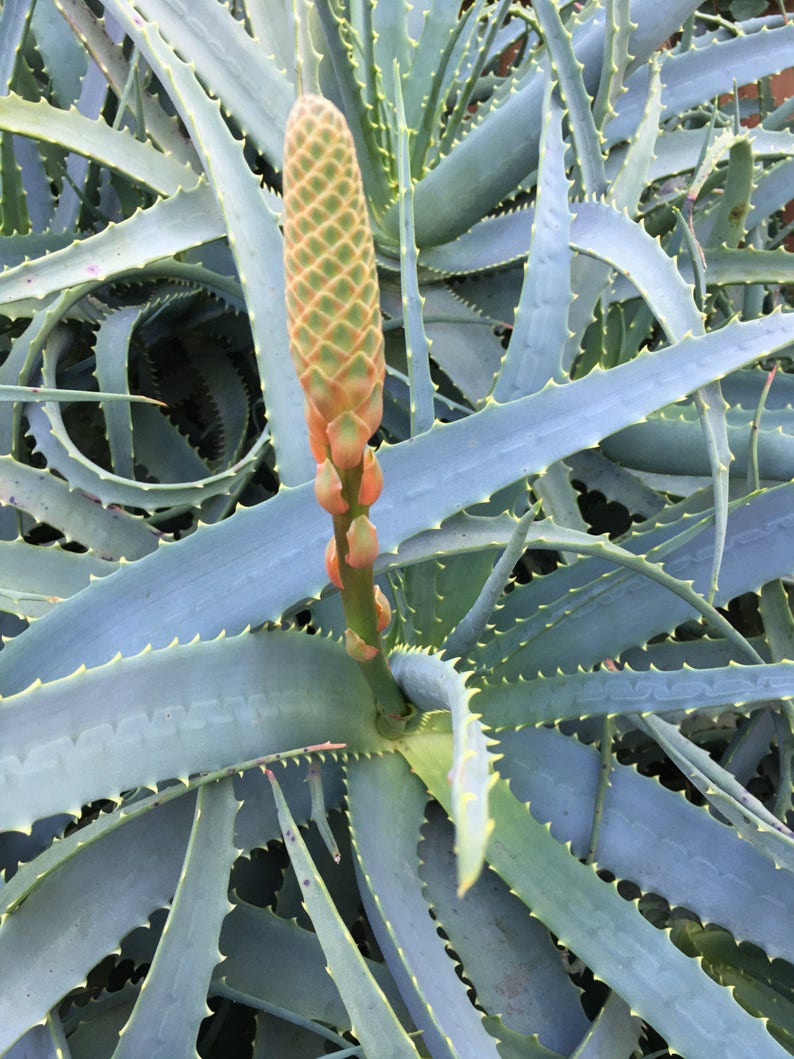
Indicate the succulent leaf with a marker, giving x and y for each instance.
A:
(590, 901)
(373, 1020)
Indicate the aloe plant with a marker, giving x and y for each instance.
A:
(564, 276)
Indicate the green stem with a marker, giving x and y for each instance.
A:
(358, 601)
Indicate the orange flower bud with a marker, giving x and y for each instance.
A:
(318, 438)
(371, 410)
(358, 649)
(383, 609)
(328, 489)
(347, 436)
(332, 564)
(362, 542)
(371, 479)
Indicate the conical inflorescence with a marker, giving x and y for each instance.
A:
(333, 316)
(332, 287)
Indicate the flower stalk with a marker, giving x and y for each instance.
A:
(336, 341)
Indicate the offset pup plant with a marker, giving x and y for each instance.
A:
(219, 832)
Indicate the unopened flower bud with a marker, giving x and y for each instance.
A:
(382, 609)
(362, 542)
(328, 489)
(332, 564)
(347, 436)
(318, 437)
(371, 479)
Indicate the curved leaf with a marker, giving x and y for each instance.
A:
(431, 683)
(372, 1019)
(185, 220)
(248, 832)
(577, 102)
(605, 693)
(384, 841)
(123, 879)
(652, 835)
(540, 331)
(115, 148)
(701, 73)
(667, 989)
(254, 238)
(616, 1031)
(166, 1019)
(110, 533)
(287, 535)
(233, 66)
(440, 215)
(505, 953)
(755, 553)
(168, 714)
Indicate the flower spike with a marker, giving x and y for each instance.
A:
(336, 341)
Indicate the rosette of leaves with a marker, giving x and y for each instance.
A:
(572, 238)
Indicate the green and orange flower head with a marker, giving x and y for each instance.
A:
(333, 317)
(332, 287)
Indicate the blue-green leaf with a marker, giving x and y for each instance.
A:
(385, 844)
(752, 820)
(652, 835)
(615, 1031)
(505, 953)
(254, 238)
(115, 148)
(372, 1019)
(667, 989)
(431, 683)
(480, 454)
(540, 331)
(172, 713)
(125, 877)
(166, 1019)
(568, 70)
(417, 346)
(604, 693)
